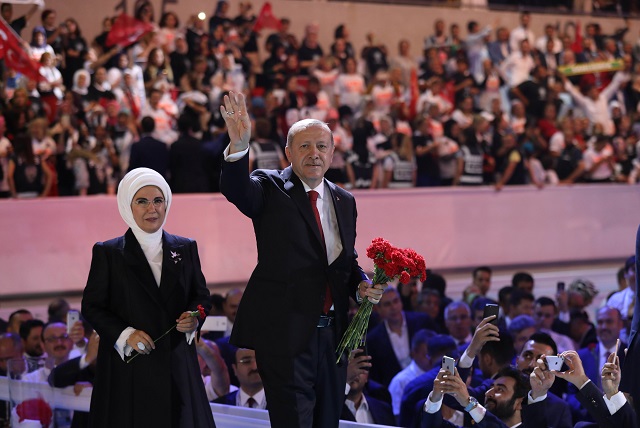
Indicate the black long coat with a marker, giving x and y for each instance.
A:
(155, 389)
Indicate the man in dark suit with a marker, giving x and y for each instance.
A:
(389, 359)
(499, 49)
(630, 371)
(362, 408)
(251, 391)
(608, 326)
(188, 160)
(149, 152)
(294, 310)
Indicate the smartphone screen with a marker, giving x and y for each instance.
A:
(560, 286)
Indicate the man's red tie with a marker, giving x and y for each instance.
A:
(313, 197)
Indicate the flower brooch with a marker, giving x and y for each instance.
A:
(176, 257)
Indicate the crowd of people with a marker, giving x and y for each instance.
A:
(411, 330)
(479, 106)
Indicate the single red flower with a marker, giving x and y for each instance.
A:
(203, 313)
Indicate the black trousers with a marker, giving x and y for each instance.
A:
(306, 390)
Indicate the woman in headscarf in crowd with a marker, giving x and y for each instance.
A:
(140, 286)
(39, 44)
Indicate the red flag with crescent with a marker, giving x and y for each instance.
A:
(15, 57)
(127, 30)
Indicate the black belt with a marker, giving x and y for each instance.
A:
(326, 320)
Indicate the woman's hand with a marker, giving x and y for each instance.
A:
(187, 323)
(141, 338)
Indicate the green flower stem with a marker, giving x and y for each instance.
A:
(192, 314)
(356, 334)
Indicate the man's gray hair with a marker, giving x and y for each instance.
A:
(455, 305)
(304, 124)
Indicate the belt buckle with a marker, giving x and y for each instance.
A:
(324, 321)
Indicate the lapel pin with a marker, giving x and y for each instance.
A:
(175, 256)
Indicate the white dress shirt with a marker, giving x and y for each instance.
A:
(242, 398)
(362, 413)
(400, 381)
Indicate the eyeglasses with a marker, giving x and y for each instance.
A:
(144, 203)
(246, 360)
(54, 339)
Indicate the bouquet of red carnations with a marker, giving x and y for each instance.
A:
(200, 313)
(389, 263)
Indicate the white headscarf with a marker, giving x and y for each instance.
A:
(151, 243)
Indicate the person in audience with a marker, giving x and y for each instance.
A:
(544, 312)
(457, 318)
(420, 364)
(608, 409)
(149, 152)
(364, 409)
(539, 345)
(18, 24)
(214, 370)
(630, 373)
(137, 317)
(57, 345)
(187, 159)
(581, 329)
(523, 281)
(251, 391)
(418, 389)
(477, 310)
(502, 407)
(31, 335)
(16, 318)
(624, 300)
(57, 310)
(394, 333)
(593, 358)
(29, 175)
(521, 328)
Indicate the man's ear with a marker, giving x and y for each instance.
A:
(518, 404)
(287, 153)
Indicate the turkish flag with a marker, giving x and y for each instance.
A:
(127, 30)
(415, 94)
(266, 19)
(14, 54)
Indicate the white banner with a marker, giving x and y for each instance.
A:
(40, 3)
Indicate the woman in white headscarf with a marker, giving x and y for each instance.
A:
(139, 286)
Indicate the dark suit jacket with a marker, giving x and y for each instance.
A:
(592, 399)
(121, 292)
(380, 412)
(150, 153)
(67, 374)
(284, 297)
(229, 399)
(495, 53)
(434, 420)
(630, 380)
(552, 412)
(187, 164)
(385, 365)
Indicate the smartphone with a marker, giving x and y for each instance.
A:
(560, 286)
(491, 309)
(448, 364)
(72, 318)
(364, 351)
(555, 362)
(215, 323)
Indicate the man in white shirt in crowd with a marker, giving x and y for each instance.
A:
(364, 409)
(517, 67)
(420, 363)
(522, 32)
(57, 345)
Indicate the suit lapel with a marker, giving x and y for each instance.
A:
(293, 186)
(138, 265)
(172, 255)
